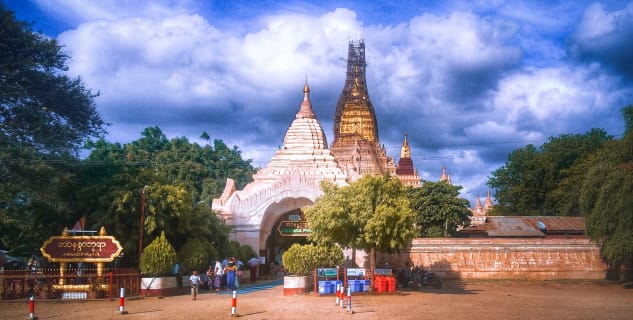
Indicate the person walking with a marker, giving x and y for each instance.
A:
(253, 264)
(210, 278)
(177, 271)
(218, 272)
(231, 273)
(195, 282)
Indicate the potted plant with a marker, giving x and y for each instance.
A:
(157, 260)
(301, 260)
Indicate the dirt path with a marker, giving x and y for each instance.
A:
(456, 300)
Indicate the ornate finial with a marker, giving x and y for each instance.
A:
(306, 106)
(443, 177)
(478, 203)
(405, 151)
(488, 202)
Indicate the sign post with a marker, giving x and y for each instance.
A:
(66, 248)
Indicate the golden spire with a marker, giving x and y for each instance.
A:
(306, 106)
(478, 203)
(444, 176)
(488, 203)
(405, 151)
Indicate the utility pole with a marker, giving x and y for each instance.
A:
(141, 227)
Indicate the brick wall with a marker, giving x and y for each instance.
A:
(499, 258)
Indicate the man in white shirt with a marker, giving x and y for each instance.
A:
(253, 264)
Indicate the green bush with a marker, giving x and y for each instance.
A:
(158, 257)
(303, 259)
(196, 254)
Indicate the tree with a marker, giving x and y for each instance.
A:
(181, 177)
(528, 183)
(303, 259)
(158, 257)
(439, 210)
(372, 213)
(45, 117)
(627, 113)
(605, 198)
(40, 106)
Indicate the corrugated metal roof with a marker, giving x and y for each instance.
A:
(528, 226)
(576, 224)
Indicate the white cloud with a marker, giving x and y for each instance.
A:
(457, 81)
(606, 37)
(550, 100)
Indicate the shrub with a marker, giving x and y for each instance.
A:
(303, 259)
(196, 254)
(158, 257)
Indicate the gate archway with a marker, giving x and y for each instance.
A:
(282, 226)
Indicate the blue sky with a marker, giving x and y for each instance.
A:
(469, 81)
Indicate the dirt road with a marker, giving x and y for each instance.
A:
(456, 300)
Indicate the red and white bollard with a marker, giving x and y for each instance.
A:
(336, 293)
(342, 299)
(32, 308)
(234, 304)
(122, 302)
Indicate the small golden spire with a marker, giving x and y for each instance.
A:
(405, 151)
(305, 111)
(443, 176)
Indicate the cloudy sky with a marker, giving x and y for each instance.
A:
(469, 81)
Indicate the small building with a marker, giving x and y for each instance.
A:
(526, 227)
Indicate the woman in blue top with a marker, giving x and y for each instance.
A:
(231, 271)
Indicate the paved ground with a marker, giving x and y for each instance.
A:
(456, 300)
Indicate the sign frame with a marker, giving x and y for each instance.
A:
(81, 248)
(288, 228)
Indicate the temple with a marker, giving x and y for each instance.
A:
(405, 171)
(267, 214)
(356, 145)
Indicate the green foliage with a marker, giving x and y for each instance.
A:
(180, 180)
(45, 117)
(528, 183)
(439, 210)
(196, 254)
(41, 107)
(605, 198)
(158, 257)
(303, 259)
(372, 213)
(627, 113)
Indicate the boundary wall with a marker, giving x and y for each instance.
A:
(502, 258)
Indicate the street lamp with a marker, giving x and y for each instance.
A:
(141, 227)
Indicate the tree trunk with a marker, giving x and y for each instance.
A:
(627, 269)
(372, 267)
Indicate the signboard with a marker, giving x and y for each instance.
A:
(384, 272)
(355, 272)
(293, 228)
(326, 272)
(81, 248)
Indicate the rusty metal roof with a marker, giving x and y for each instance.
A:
(528, 226)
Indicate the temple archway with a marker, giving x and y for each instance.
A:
(282, 226)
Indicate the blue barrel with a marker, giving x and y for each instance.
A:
(356, 285)
(366, 285)
(324, 287)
